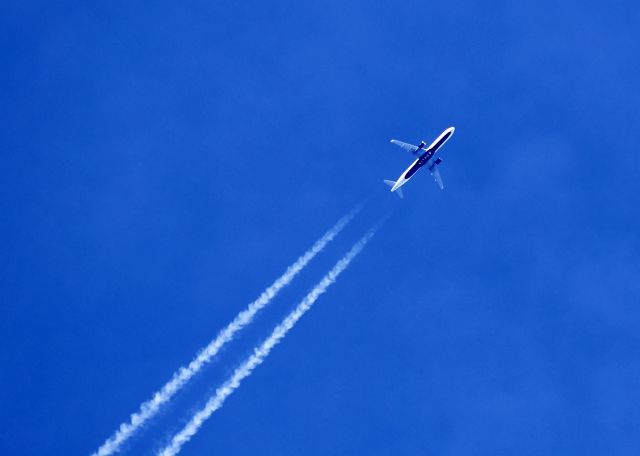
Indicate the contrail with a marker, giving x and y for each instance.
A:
(261, 352)
(149, 408)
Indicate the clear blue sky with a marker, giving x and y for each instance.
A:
(163, 162)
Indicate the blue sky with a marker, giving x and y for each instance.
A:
(163, 163)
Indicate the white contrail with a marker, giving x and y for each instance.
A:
(149, 408)
(261, 352)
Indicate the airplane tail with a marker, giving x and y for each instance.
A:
(391, 183)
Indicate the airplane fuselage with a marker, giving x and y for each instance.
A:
(424, 158)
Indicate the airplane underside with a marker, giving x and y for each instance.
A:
(424, 159)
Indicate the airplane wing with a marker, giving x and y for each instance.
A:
(436, 175)
(433, 169)
(408, 147)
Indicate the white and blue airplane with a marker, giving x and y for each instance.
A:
(426, 156)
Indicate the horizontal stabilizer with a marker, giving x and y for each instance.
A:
(391, 183)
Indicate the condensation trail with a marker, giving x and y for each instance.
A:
(149, 408)
(261, 352)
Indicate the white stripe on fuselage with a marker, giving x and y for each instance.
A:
(402, 180)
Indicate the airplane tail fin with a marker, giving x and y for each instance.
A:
(391, 183)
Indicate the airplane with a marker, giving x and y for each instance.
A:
(425, 155)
